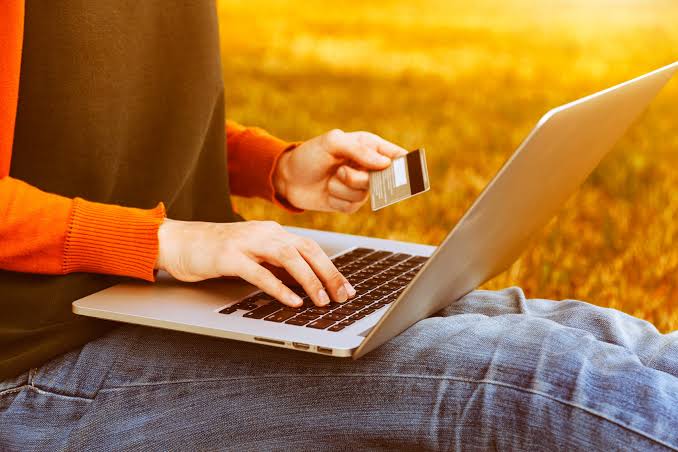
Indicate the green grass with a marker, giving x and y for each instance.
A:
(467, 81)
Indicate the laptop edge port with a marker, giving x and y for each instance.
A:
(300, 346)
(269, 341)
(327, 351)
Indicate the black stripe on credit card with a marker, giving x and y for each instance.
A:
(415, 172)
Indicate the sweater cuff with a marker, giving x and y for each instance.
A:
(103, 238)
(259, 167)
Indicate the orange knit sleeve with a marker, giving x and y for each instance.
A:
(11, 34)
(252, 157)
(46, 233)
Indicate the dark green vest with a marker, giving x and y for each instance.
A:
(119, 102)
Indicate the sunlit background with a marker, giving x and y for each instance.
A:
(467, 80)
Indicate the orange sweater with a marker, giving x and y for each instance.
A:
(47, 233)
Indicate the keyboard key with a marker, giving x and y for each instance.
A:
(346, 322)
(280, 316)
(364, 273)
(362, 301)
(318, 310)
(358, 278)
(263, 311)
(334, 316)
(362, 251)
(399, 257)
(298, 321)
(343, 259)
(418, 259)
(228, 310)
(337, 327)
(391, 286)
(245, 305)
(390, 273)
(356, 253)
(369, 284)
(353, 280)
(308, 315)
(377, 255)
(345, 310)
(258, 297)
(320, 324)
(362, 289)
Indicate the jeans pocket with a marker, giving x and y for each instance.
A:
(14, 384)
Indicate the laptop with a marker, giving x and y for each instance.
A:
(400, 283)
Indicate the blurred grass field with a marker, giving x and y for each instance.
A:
(467, 81)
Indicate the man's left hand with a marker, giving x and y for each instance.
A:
(329, 173)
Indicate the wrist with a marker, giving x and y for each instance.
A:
(281, 175)
(165, 232)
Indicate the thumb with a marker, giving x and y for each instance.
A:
(365, 150)
(363, 157)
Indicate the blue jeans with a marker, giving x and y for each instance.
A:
(494, 370)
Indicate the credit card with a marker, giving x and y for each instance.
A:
(407, 176)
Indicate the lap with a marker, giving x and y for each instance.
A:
(493, 370)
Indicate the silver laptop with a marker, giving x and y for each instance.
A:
(401, 283)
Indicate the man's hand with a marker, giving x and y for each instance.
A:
(329, 173)
(193, 251)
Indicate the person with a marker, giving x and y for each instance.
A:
(114, 165)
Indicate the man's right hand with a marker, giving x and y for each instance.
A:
(194, 251)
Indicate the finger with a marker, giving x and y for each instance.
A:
(339, 190)
(338, 286)
(281, 274)
(348, 146)
(288, 257)
(382, 146)
(353, 178)
(341, 205)
(257, 275)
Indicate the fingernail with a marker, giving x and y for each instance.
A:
(342, 295)
(294, 300)
(342, 173)
(349, 289)
(323, 297)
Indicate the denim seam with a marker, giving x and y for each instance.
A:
(414, 376)
(40, 391)
(13, 390)
(57, 394)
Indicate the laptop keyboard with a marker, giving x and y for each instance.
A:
(377, 276)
